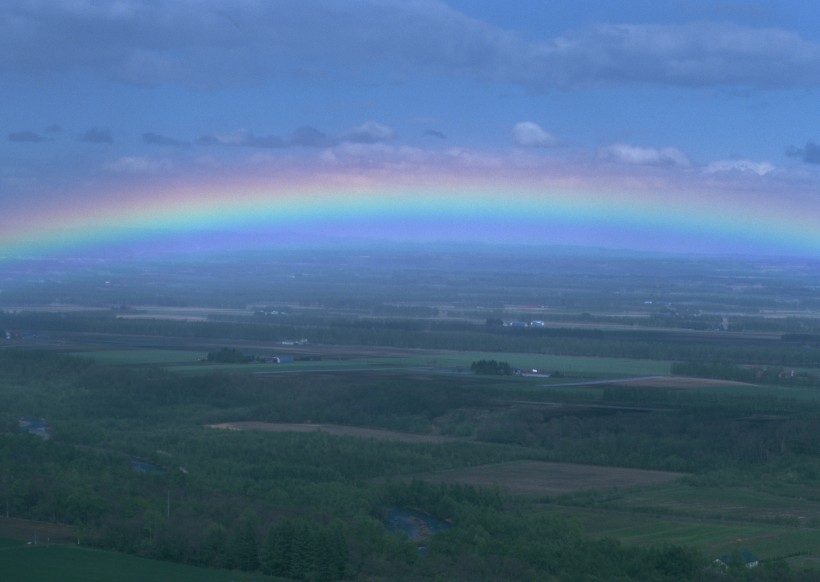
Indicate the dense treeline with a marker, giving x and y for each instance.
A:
(491, 367)
(229, 356)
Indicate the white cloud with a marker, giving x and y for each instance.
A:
(745, 166)
(138, 165)
(370, 132)
(629, 154)
(242, 138)
(529, 134)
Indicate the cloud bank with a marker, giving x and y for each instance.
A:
(211, 43)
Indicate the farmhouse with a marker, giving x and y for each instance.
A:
(279, 359)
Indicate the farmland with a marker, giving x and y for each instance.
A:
(157, 451)
(540, 479)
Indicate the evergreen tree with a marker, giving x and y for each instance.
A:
(244, 551)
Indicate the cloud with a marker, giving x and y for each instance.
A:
(310, 137)
(25, 136)
(528, 134)
(628, 154)
(152, 138)
(809, 153)
(370, 132)
(208, 43)
(54, 128)
(97, 135)
(434, 133)
(138, 165)
(242, 138)
(305, 136)
(744, 166)
(690, 55)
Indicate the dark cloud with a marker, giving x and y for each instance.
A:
(219, 42)
(305, 136)
(152, 138)
(270, 141)
(25, 136)
(434, 133)
(97, 135)
(810, 153)
(208, 140)
(311, 137)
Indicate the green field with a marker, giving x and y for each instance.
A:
(572, 367)
(716, 520)
(139, 356)
(712, 537)
(66, 563)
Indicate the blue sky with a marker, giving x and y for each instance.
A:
(711, 94)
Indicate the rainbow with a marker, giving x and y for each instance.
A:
(444, 206)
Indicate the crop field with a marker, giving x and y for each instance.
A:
(570, 367)
(679, 382)
(68, 563)
(542, 479)
(138, 357)
(567, 365)
(336, 429)
(573, 367)
(712, 537)
(721, 503)
(29, 530)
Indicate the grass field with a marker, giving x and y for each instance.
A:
(66, 563)
(137, 357)
(713, 537)
(187, 361)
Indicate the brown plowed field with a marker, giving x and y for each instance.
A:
(41, 531)
(541, 478)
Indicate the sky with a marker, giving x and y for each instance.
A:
(683, 126)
